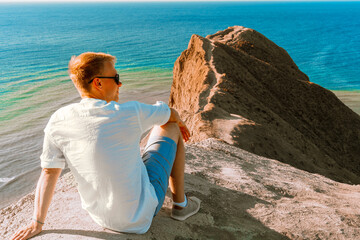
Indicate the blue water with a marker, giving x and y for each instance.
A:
(37, 41)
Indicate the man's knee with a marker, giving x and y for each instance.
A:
(170, 130)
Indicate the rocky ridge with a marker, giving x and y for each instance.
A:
(239, 86)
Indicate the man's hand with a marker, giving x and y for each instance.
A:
(28, 231)
(174, 117)
(184, 130)
(44, 193)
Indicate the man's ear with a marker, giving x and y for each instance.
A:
(97, 83)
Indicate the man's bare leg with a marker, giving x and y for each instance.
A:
(176, 182)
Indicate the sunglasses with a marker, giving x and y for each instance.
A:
(116, 78)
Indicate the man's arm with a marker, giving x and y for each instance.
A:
(44, 193)
(175, 117)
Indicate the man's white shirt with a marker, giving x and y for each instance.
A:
(100, 143)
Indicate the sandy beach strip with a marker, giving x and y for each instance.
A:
(350, 99)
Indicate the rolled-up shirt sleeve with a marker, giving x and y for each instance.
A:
(52, 156)
(150, 115)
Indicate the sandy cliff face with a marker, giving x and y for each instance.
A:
(239, 86)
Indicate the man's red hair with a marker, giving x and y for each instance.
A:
(86, 66)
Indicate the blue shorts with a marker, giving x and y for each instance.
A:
(159, 155)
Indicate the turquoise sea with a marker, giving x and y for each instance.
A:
(37, 41)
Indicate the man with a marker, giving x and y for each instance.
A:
(99, 139)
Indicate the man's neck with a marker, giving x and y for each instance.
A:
(91, 95)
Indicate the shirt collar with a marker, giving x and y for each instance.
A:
(91, 100)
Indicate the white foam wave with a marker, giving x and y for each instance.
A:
(4, 180)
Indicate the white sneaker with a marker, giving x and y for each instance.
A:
(182, 213)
